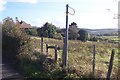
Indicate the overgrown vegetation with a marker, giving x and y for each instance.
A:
(25, 51)
(32, 32)
(16, 44)
(80, 57)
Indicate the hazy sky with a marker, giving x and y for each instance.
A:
(92, 14)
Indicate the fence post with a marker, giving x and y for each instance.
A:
(94, 52)
(46, 48)
(63, 55)
(119, 57)
(56, 54)
(41, 44)
(110, 65)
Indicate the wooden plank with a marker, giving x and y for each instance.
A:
(51, 47)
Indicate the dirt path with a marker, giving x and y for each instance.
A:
(8, 72)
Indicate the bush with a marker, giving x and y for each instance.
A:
(83, 35)
(58, 36)
(73, 31)
(16, 44)
(94, 39)
(31, 31)
(47, 30)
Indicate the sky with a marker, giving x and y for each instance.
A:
(91, 14)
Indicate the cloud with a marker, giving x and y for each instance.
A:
(28, 1)
(2, 5)
(35, 1)
(24, 1)
(4, 2)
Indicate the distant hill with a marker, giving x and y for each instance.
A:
(108, 32)
(102, 31)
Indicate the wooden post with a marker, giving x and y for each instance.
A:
(110, 65)
(94, 52)
(119, 41)
(63, 40)
(46, 48)
(63, 55)
(56, 55)
(119, 57)
(41, 44)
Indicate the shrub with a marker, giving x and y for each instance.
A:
(16, 44)
(47, 30)
(94, 39)
(58, 36)
(31, 31)
(83, 35)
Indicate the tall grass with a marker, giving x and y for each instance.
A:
(80, 56)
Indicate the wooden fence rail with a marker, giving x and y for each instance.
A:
(55, 48)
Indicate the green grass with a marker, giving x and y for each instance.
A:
(80, 55)
(110, 38)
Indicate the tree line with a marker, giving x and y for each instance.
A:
(74, 33)
(51, 31)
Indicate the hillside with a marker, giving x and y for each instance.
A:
(101, 31)
(108, 32)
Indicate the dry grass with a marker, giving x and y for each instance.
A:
(80, 55)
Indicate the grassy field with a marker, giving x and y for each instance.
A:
(110, 38)
(80, 55)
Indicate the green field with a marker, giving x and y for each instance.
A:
(110, 38)
(80, 55)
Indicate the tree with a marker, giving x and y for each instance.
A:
(58, 36)
(83, 35)
(31, 31)
(8, 22)
(73, 31)
(39, 32)
(15, 42)
(48, 30)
